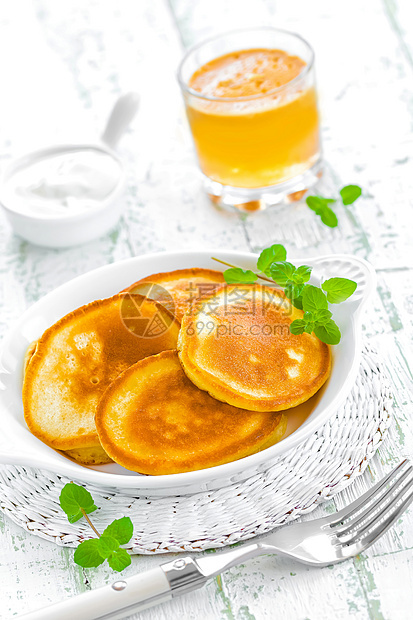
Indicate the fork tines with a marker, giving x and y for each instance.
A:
(366, 519)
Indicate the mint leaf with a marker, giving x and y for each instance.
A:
(297, 302)
(281, 272)
(328, 332)
(308, 317)
(121, 529)
(92, 553)
(88, 554)
(236, 275)
(74, 497)
(119, 559)
(319, 205)
(106, 545)
(302, 274)
(298, 326)
(293, 291)
(275, 253)
(309, 328)
(338, 289)
(329, 218)
(350, 193)
(321, 316)
(314, 299)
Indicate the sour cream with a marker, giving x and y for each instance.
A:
(63, 183)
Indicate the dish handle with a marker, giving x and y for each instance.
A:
(351, 267)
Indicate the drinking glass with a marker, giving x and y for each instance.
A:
(256, 150)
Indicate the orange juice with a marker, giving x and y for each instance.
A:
(255, 122)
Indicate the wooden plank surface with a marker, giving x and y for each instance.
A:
(64, 64)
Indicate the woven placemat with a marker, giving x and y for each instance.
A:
(293, 484)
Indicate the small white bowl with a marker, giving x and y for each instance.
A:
(65, 230)
(18, 446)
(62, 230)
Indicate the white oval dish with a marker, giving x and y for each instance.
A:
(19, 447)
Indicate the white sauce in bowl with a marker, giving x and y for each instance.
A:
(62, 183)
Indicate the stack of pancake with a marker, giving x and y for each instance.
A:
(178, 372)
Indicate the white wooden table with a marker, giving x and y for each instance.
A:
(62, 66)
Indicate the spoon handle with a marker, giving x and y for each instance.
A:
(120, 118)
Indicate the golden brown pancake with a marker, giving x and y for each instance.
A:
(177, 289)
(80, 355)
(30, 351)
(89, 456)
(86, 456)
(152, 419)
(237, 345)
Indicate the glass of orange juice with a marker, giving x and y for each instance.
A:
(251, 103)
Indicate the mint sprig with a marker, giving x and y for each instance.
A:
(313, 300)
(291, 278)
(320, 205)
(77, 502)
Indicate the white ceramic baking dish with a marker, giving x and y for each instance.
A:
(19, 447)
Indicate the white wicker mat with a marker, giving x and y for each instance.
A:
(292, 485)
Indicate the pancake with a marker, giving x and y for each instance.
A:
(80, 355)
(237, 346)
(30, 351)
(153, 420)
(177, 289)
(86, 456)
(89, 456)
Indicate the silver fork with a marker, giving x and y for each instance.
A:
(320, 542)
